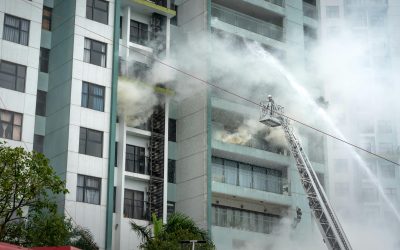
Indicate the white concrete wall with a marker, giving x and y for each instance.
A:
(15, 101)
(89, 215)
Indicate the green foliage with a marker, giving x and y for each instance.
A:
(178, 228)
(40, 228)
(45, 228)
(82, 238)
(25, 181)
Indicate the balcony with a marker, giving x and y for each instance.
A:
(310, 10)
(252, 177)
(153, 6)
(247, 22)
(136, 209)
(244, 219)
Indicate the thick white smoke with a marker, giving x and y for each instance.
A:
(135, 101)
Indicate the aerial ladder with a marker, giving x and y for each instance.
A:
(332, 232)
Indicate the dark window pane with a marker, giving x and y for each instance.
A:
(134, 204)
(44, 60)
(95, 52)
(93, 96)
(12, 76)
(91, 142)
(171, 171)
(38, 143)
(97, 10)
(88, 189)
(16, 29)
(172, 130)
(41, 103)
(135, 159)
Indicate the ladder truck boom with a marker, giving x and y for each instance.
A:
(328, 223)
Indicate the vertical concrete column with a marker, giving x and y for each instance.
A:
(165, 189)
(119, 197)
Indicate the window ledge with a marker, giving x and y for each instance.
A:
(137, 176)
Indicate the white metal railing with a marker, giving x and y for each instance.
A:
(246, 22)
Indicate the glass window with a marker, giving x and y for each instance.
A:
(170, 208)
(172, 130)
(243, 219)
(135, 159)
(12, 76)
(332, 11)
(341, 166)
(260, 178)
(91, 142)
(97, 10)
(93, 96)
(16, 29)
(138, 32)
(95, 52)
(388, 171)
(134, 204)
(171, 171)
(342, 189)
(46, 18)
(44, 60)
(10, 125)
(230, 172)
(245, 175)
(38, 143)
(88, 189)
(41, 103)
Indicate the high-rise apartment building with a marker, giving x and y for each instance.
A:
(372, 24)
(61, 62)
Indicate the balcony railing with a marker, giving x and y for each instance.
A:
(250, 179)
(244, 219)
(310, 10)
(136, 209)
(248, 23)
(276, 2)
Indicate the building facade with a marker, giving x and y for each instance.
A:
(65, 59)
(354, 194)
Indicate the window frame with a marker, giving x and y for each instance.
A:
(91, 50)
(38, 143)
(85, 141)
(85, 187)
(171, 171)
(41, 99)
(15, 75)
(172, 130)
(47, 18)
(136, 158)
(91, 10)
(12, 123)
(132, 213)
(44, 58)
(18, 29)
(91, 95)
(143, 33)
